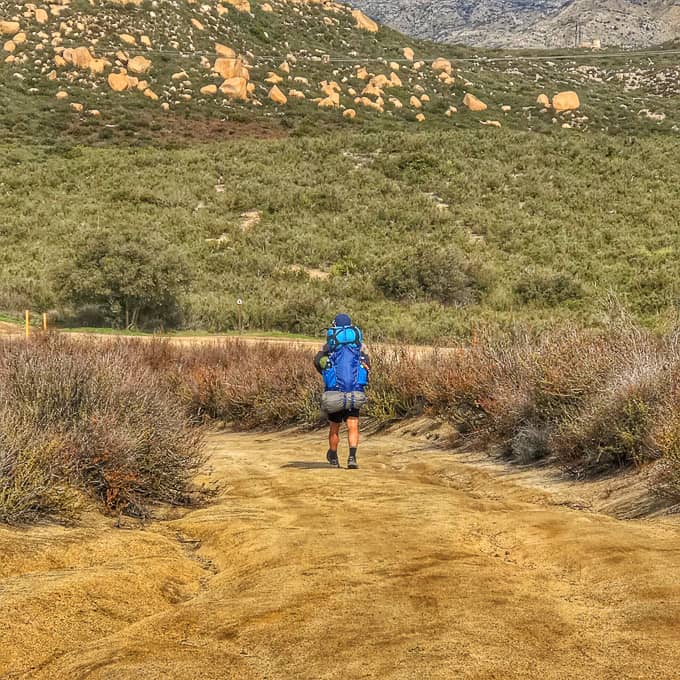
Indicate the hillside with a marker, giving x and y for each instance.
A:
(112, 70)
(425, 187)
(532, 23)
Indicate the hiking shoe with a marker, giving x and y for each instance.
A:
(352, 463)
(332, 459)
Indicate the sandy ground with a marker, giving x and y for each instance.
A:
(416, 566)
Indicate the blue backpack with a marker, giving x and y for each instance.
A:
(345, 371)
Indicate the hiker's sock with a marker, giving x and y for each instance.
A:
(352, 460)
(353, 452)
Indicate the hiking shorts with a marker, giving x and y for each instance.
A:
(341, 416)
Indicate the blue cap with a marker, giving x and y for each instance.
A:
(342, 320)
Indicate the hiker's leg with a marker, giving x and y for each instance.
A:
(334, 436)
(353, 432)
(353, 436)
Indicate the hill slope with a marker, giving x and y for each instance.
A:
(532, 23)
(114, 70)
(345, 194)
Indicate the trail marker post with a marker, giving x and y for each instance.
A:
(44, 322)
(239, 307)
(27, 323)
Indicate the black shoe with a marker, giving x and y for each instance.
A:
(352, 463)
(332, 458)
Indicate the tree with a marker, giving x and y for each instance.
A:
(128, 274)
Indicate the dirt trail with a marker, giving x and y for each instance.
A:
(415, 566)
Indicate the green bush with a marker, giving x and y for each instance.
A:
(428, 272)
(547, 288)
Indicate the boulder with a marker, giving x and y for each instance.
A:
(266, 7)
(394, 66)
(380, 81)
(139, 65)
(9, 46)
(362, 73)
(145, 40)
(396, 103)
(451, 110)
(41, 16)
(330, 102)
(118, 82)
(9, 27)
(506, 109)
(75, 106)
(277, 96)
(61, 95)
(95, 113)
(329, 88)
(165, 107)
(273, 78)
(473, 103)
(150, 94)
(20, 38)
(420, 117)
(395, 80)
(442, 64)
(544, 101)
(235, 88)
(284, 67)
(296, 94)
(566, 101)
(97, 66)
(349, 113)
(372, 91)
(128, 39)
(230, 68)
(197, 25)
(415, 102)
(491, 123)
(363, 22)
(408, 53)
(240, 5)
(425, 98)
(209, 89)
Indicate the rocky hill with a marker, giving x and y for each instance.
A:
(111, 69)
(533, 23)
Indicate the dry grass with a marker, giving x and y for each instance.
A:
(121, 419)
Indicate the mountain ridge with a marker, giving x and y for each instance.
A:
(532, 24)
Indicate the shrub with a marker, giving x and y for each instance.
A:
(78, 416)
(430, 272)
(547, 288)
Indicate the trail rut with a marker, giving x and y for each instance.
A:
(416, 566)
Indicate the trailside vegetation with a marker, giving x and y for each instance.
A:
(120, 421)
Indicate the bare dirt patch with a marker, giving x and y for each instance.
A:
(417, 565)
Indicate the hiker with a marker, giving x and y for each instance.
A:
(345, 369)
